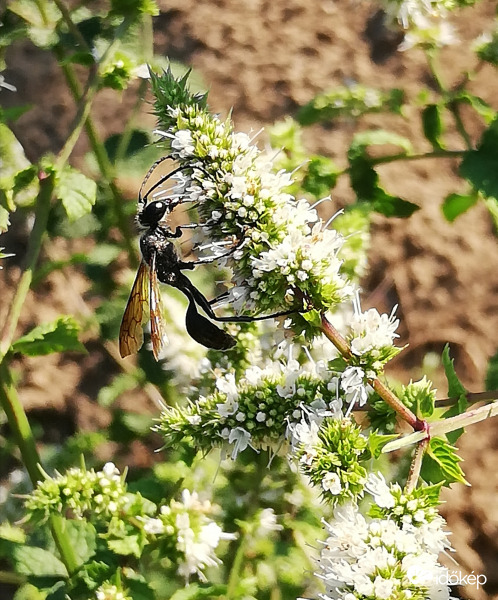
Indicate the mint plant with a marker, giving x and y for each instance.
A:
(281, 440)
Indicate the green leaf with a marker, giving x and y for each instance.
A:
(379, 137)
(31, 560)
(448, 462)
(377, 441)
(455, 205)
(393, 206)
(12, 533)
(365, 180)
(481, 107)
(455, 390)
(126, 546)
(58, 336)
(14, 161)
(29, 592)
(83, 537)
(480, 166)
(432, 125)
(492, 373)
(321, 176)
(76, 192)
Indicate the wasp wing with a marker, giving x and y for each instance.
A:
(130, 333)
(157, 333)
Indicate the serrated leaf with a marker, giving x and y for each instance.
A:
(34, 561)
(455, 390)
(480, 166)
(83, 538)
(455, 205)
(377, 441)
(76, 192)
(58, 336)
(444, 455)
(492, 373)
(129, 545)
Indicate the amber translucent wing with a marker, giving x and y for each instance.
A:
(131, 334)
(157, 333)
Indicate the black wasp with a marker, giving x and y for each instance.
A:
(160, 262)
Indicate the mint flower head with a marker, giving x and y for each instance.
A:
(390, 554)
(79, 491)
(281, 254)
(258, 410)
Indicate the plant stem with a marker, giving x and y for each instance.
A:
(21, 430)
(384, 392)
(42, 209)
(444, 426)
(416, 465)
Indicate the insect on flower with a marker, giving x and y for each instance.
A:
(161, 263)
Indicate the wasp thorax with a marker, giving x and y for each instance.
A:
(153, 213)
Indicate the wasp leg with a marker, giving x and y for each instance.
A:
(189, 289)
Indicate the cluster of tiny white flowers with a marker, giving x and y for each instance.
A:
(102, 493)
(264, 408)
(281, 252)
(371, 331)
(196, 535)
(384, 558)
(425, 22)
(109, 591)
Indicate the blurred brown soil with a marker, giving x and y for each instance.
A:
(264, 59)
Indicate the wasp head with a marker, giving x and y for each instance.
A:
(153, 213)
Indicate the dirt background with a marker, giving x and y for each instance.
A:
(264, 59)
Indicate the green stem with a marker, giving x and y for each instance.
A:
(21, 431)
(47, 184)
(19, 424)
(454, 108)
(105, 167)
(252, 507)
(384, 392)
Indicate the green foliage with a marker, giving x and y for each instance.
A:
(365, 180)
(76, 192)
(58, 336)
(455, 390)
(492, 373)
(480, 166)
(456, 204)
(433, 125)
(123, 536)
(442, 464)
(346, 102)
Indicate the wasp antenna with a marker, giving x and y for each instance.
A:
(147, 176)
(161, 180)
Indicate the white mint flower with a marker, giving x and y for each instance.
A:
(377, 486)
(267, 522)
(331, 483)
(240, 438)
